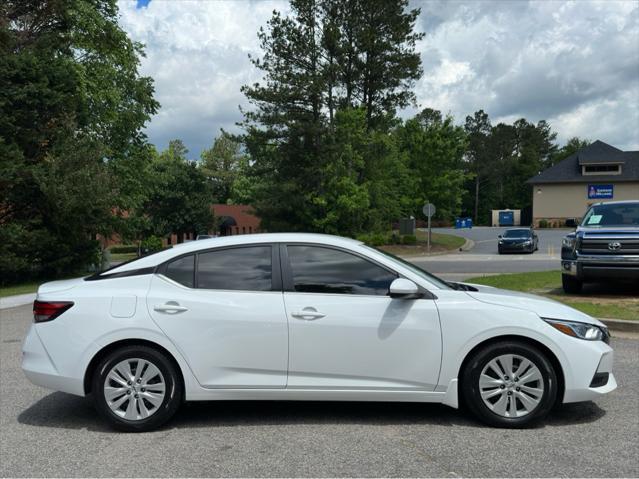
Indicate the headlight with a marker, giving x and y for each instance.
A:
(589, 332)
(568, 242)
(528, 242)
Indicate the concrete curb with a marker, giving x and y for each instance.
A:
(468, 245)
(622, 325)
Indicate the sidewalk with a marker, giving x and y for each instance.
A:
(18, 300)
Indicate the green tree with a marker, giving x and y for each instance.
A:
(223, 165)
(479, 161)
(572, 146)
(434, 147)
(72, 103)
(180, 199)
(325, 59)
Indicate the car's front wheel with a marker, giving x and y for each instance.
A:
(136, 388)
(509, 384)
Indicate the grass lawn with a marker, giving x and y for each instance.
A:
(32, 286)
(23, 288)
(611, 303)
(440, 243)
(123, 256)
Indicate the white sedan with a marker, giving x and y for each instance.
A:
(306, 317)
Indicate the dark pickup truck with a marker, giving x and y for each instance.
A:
(604, 246)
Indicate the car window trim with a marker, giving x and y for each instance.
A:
(288, 285)
(276, 273)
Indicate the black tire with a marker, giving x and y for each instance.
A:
(571, 284)
(470, 389)
(173, 388)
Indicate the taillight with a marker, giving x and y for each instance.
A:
(48, 310)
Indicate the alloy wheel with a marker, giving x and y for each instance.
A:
(134, 389)
(511, 386)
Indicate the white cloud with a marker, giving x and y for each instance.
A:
(197, 54)
(575, 64)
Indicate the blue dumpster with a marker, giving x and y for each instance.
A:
(506, 218)
(463, 223)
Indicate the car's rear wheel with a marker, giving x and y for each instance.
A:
(571, 284)
(509, 384)
(136, 388)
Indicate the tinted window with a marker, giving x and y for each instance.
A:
(517, 234)
(325, 270)
(619, 214)
(246, 269)
(181, 270)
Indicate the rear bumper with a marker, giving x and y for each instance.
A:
(40, 369)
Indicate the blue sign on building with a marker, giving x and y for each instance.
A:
(600, 191)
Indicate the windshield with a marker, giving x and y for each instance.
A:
(517, 234)
(606, 215)
(440, 283)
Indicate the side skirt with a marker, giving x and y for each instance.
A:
(321, 395)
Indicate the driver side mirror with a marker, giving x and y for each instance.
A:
(404, 288)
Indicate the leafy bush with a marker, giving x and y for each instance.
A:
(543, 223)
(123, 249)
(375, 239)
(151, 244)
(409, 239)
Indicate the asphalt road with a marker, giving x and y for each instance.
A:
(486, 238)
(45, 433)
(483, 258)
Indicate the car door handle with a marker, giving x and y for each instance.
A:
(170, 307)
(308, 314)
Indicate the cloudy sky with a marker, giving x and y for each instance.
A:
(574, 64)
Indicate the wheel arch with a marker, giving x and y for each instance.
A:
(97, 357)
(556, 364)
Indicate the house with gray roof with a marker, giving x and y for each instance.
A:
(598, 172)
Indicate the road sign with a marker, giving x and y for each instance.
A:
(429, 210)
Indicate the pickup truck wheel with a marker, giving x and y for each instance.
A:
(570, 284)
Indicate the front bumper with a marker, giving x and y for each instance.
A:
(513, 247)
(601, 266)
(587, 384)
(40, 369)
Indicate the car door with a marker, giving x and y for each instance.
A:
(224, 310)
(345, 332)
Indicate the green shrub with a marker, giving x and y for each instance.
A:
(123, 249)
(409, 239)
(543, 223)
(375, 239)
(151, 244)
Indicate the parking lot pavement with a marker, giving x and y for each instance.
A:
(46, 433)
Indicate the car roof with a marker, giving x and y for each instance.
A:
(238, 240)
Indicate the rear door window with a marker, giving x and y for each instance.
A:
(246, 269)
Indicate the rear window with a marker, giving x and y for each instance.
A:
(182, 270)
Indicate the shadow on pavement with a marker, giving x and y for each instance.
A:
(610, 289)
(60, 410)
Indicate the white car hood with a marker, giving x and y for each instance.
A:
(544, 307)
